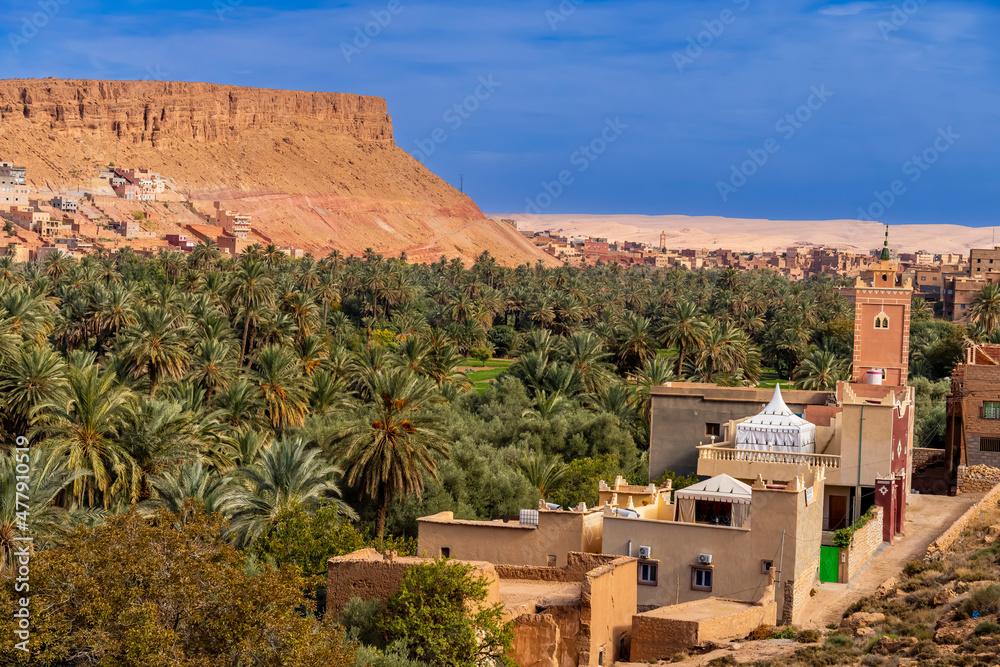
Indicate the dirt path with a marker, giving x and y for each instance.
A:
(744, 652)
(926, 518)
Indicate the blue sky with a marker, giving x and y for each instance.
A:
(699, 93)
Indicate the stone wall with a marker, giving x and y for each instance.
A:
(977, 478)
(864, 543)
(578, 565)
(949, 536)
(367, 574)
(924, 455)
(658, 635)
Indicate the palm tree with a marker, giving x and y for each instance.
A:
(157, 435)
(289, 474)
(636, 343)
(585, 351)
(391, 442)
(683, 329)
(821, 371)
(49, 478)
(545, 473)
(212, 366)
(84, 429)
(34, 377)
(155, 346)
(191, 481)
(986, 307)
(251, 289)
(240, 405)
(278, 374)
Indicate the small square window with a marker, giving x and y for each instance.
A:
(552, 560)
(445, 552)
(766, 565)
(647, 573)
(713, 429)
(701, 579)
(991, 410)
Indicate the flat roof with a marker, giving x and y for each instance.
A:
(700, 610)
(712, 392)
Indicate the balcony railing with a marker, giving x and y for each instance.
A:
(758, 456)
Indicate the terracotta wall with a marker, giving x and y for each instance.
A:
(367, 575)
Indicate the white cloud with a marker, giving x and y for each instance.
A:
(850, 9)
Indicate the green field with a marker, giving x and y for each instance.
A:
(481, 379)
(769, 377)
(495, 363)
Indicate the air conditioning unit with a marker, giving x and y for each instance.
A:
(704, 559)
(644, 552)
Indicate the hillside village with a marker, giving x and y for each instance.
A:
(134, 208)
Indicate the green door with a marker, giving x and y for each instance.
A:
(829, 564)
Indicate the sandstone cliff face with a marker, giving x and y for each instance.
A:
(162, 112)
(319, 171)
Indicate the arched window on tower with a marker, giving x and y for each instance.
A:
(882, 321)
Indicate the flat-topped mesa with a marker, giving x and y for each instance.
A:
(160, 112)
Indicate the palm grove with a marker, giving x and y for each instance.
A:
(312, 407)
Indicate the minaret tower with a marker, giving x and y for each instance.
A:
(882, 322)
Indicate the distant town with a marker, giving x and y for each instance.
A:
(947, 282)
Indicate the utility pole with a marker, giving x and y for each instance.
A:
(461, 183)
(781, 556)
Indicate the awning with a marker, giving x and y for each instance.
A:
(721, 488)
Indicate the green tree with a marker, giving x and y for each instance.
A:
(821, 371)
(543, 472)
(165, 591)
(155, 346)
(986, 307)
(392, 439)
(440, 612)
(288, 474)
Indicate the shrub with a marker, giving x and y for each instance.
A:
(724, 661)
(913, 568)
(808, 637)
(761, 632)
(984, 601)
(987, 628)
(360, 618)
(787, 633)
(679, 657)
(837, 641)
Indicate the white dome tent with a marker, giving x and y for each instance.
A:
(777, 429)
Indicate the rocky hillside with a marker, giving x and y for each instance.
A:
(317, 170)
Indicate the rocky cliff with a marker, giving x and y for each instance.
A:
(317, 170)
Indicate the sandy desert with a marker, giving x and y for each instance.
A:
(760, 235)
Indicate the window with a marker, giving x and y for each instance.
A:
(881, 321)
(647, 573)
(701, 579)
(991, 410)
(713, 429)
(552, 560)
(923, 278)
(989, 444)
(766, 565)
(445, 552)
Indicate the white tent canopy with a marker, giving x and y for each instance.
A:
(777, 429)
(721, 488)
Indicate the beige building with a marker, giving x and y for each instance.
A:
(234, 224)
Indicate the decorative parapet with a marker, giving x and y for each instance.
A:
(758, 456)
